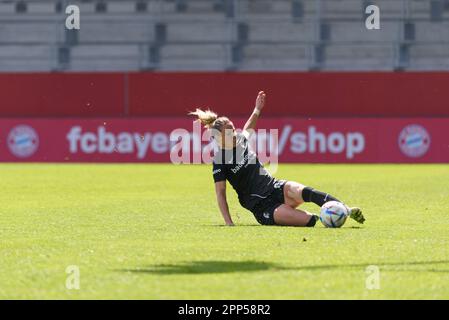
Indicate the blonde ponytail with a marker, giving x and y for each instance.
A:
(207, 117)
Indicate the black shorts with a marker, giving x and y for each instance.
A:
(264, 210)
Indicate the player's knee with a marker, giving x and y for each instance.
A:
(300, 187)
(296, 191)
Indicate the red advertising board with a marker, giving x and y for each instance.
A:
(343, 140)
(172, 94)
(62, 95)
(303, 94)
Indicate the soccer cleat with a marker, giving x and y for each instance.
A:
(356, 214)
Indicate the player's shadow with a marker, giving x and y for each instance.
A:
(214, 267)
(243, 225)
(205, 267)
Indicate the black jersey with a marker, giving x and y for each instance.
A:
(244, 172)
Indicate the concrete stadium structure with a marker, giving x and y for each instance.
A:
(215, 35)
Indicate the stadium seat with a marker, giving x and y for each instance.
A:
(357, 32)
(359, 57)
(31, 58)
(429, 57)
(432, 31)
(271, 57)
(23, 31)
(194, 57)
(105, 57)
(108, 31)
(202, 32)
(280, 32)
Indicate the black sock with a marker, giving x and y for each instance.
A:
(317, 197)
(312, 221)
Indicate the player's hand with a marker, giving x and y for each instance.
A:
(260, 100)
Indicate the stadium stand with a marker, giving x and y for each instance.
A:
(216, 35)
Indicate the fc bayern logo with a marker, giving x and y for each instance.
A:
(414, 141)
(23, 141)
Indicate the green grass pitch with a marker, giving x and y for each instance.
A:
(155, 232)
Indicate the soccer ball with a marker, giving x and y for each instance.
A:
(333, 214)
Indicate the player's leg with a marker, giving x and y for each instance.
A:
(296, 194)
(284, 215)
(293, 194)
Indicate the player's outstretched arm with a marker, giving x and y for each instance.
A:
(220, 190)
(250, 125)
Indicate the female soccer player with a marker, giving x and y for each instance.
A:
(272, 201)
